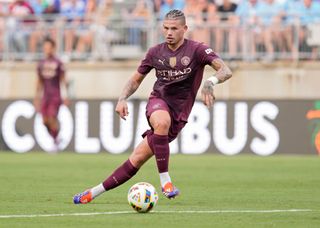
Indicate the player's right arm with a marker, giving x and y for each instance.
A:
(37, 98)
(131, 86)
(222, 74)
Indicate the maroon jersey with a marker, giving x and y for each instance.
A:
(49, 72)
(179, 74)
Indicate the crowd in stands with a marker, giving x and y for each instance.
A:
(235, 28)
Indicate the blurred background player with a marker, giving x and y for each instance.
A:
(51, 74)
(179, 64)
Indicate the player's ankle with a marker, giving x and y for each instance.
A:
(97, 190)
(164, 178)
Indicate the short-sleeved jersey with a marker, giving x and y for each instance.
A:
(179, 74)
(50, 71)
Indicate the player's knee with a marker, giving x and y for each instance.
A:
(161, 125)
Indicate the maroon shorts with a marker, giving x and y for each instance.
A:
(176, 126)
(50, 108)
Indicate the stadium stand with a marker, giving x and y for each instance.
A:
(96, 30)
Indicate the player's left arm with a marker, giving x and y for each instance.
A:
(223, 73)
(64, 88)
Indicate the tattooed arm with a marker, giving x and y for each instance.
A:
(131, 86)
(223, 73)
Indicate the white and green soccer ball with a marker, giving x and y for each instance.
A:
(142, 197)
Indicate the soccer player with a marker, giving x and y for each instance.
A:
(179, 64)
(48, 98)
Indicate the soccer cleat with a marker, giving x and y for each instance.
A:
(170, 191)
(83, 198)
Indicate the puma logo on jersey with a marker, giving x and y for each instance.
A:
(161, 61)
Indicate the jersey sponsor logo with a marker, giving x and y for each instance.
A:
(49, 69)
(185, 60)
(208, 51)
(173, 61)
(171, 75)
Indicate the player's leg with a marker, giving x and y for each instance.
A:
(45, 121)
(122, 174)
(52, 120)
(54, 127)
(49, 112)
(160, 121)
(44, 114)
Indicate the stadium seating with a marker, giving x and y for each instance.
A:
(106, 29)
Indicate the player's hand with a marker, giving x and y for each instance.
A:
(122, 109)
(207, 94)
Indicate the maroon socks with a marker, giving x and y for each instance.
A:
(160, 147)
(125, 172)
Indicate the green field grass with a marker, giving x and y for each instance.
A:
(41, 184)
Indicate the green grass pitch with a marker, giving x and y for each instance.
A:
(216, 191)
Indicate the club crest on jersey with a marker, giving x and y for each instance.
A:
(173, 61)
(185, 60)
(156, 106)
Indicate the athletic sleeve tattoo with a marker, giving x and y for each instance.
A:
(207, 87)
(223, 71)
(131, 86)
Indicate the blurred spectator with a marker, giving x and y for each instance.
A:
(137, 19)
(98, 36)
(20, 12)
(308, 12)
(226, 34)
(85, 38)
(250, 31)
(45, 6)
(200, 15)
(283, 27)
(168, 5)
(156, 6)
(226, 9)
(3, 14)
(72, 11)
(191, 12)
(270, 15)
(45, 9)
(292, 8)
(4, 8)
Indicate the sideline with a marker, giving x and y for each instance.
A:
(156, 212)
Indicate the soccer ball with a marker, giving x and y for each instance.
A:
(142, 197)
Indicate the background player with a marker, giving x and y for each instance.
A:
(51, 74)
(179, 64)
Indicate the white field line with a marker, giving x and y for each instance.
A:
(155, 212)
